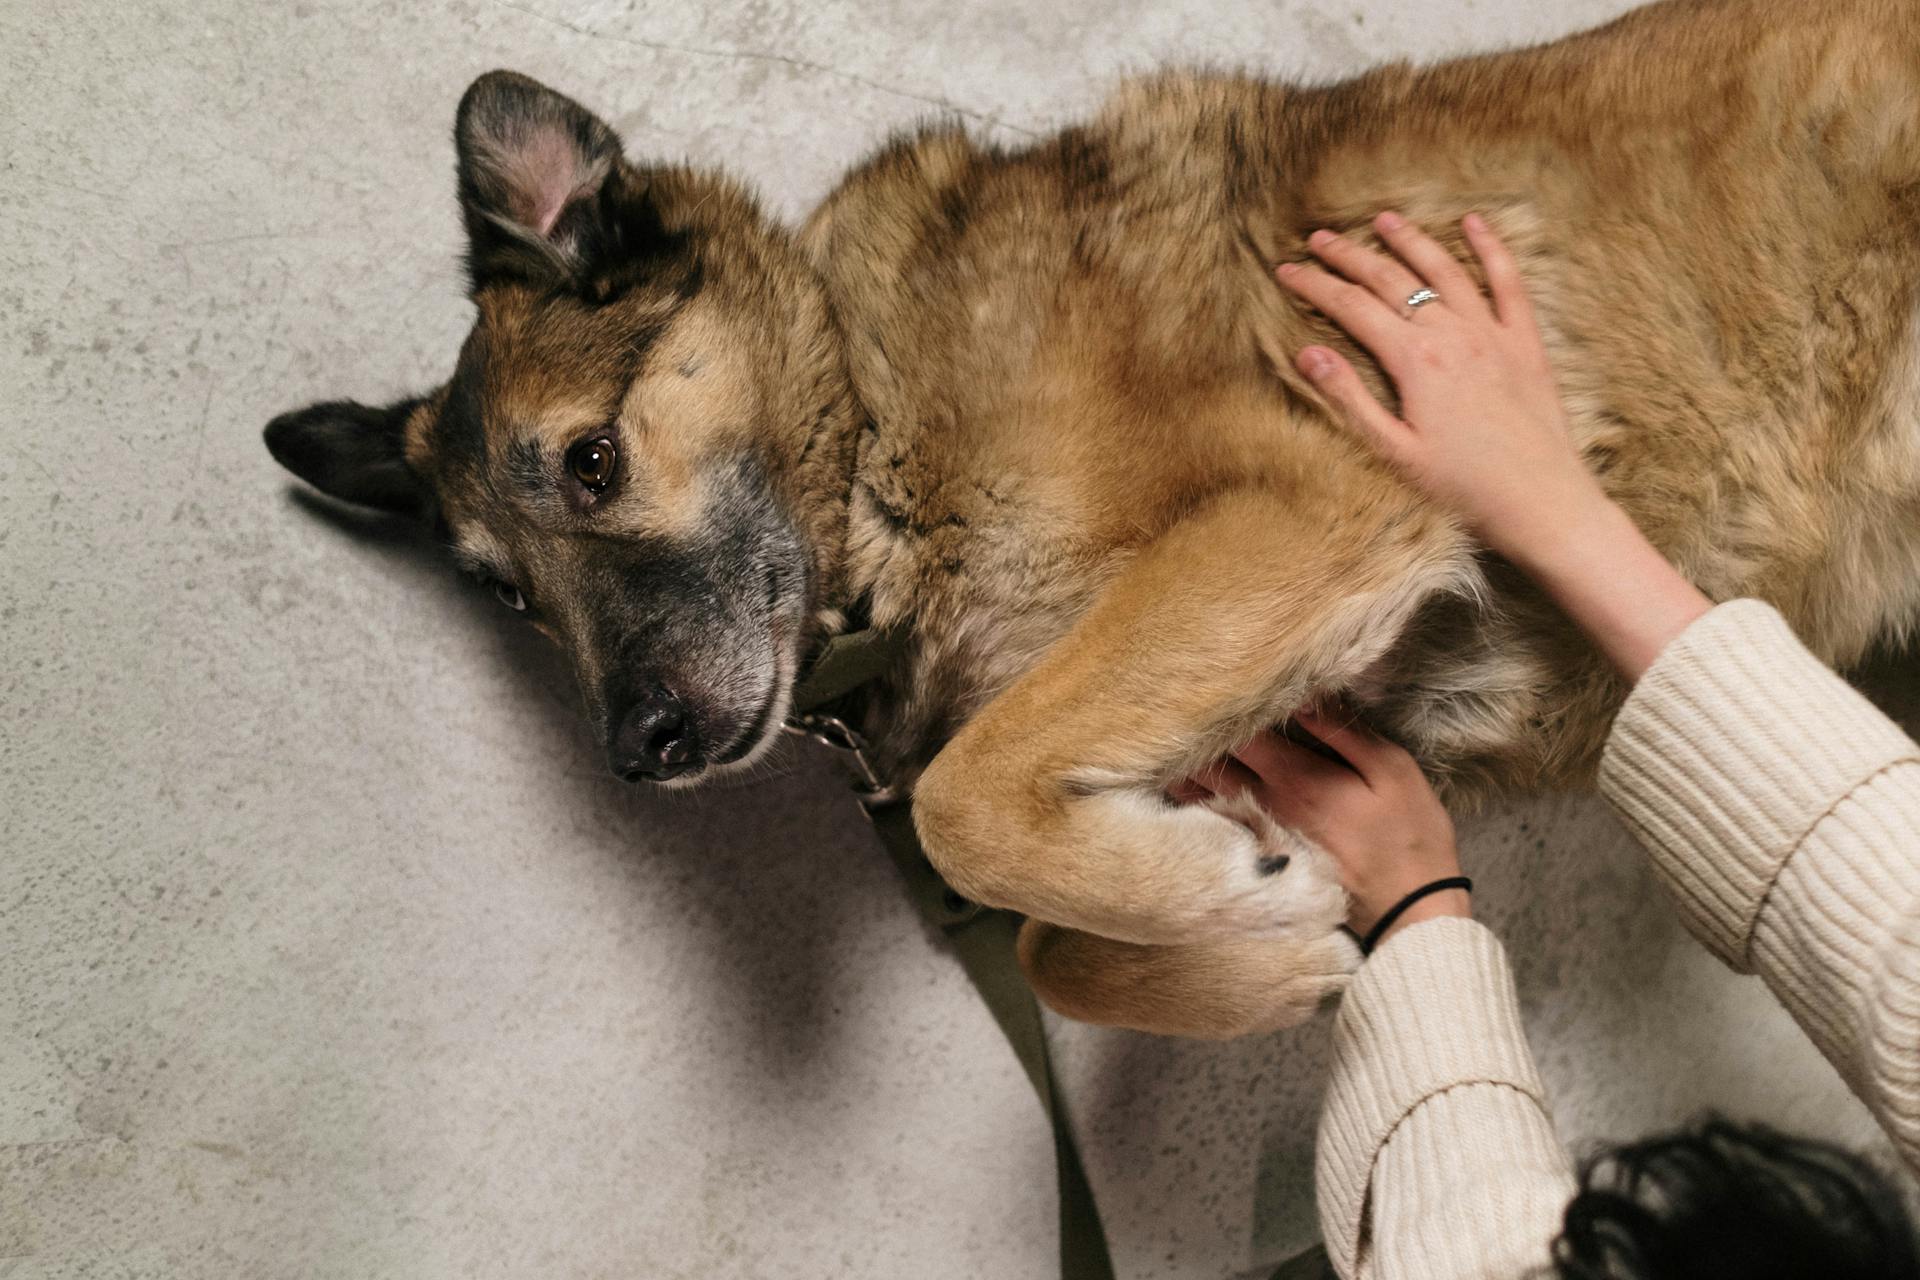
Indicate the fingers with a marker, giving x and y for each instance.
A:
(1386, 434)
(1372, 756)
(1226, 777)
(1378, 327)
(1438, 267)
(1279, 763)
(1389, 279)
(1296, 786)
(1510, 297)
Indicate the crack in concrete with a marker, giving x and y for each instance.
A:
(756, 55)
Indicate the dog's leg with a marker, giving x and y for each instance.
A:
(1051, 800)
(1206, 990)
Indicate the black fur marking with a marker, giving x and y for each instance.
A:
(688, 284)
(901, 520)
(956, 210)
(351, 451)
(1087, 166)
(641, 339)
(626, 245)
(528, 469)
(459, 432)
(1234, 137)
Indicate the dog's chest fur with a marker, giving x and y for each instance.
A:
(1059, 351)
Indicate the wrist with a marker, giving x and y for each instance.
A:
(1454, 903)
(1613, 583)
(1441, 896)
(1558, 528)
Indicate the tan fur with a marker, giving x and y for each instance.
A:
(1023, 406)
(1715, 206)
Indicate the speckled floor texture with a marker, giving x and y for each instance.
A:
(327, 946)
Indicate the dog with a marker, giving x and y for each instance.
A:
(1030, 410)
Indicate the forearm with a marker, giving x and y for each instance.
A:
(1838, 942)
(1473, 1183)
(1435, 1154)
(1782, 811)
(1600, 569)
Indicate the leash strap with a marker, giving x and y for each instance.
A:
(982, 939)
(1311, 1264)
(843, 664)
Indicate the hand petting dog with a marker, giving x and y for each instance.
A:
(1482, 431)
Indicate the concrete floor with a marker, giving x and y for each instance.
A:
(329, 950)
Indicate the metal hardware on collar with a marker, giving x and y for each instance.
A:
(873, 791)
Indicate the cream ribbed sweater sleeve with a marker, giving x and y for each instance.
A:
(1783, 812)
(1435, 1156)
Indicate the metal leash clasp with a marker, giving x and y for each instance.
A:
(873, 791)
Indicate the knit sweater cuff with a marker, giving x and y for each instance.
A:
(1433, 1009)
(1731, 747)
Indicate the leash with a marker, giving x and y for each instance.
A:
(982, 939)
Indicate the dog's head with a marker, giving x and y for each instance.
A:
(638, 444)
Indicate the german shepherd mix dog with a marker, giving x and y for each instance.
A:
(1018, 405)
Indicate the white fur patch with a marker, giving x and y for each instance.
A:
(1194, 872)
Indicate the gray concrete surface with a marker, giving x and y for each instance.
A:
(327, 949)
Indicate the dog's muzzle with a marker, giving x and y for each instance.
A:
(654, 738)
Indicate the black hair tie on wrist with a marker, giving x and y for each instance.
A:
(1385, 922)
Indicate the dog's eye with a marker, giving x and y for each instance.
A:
(510, 596)
(592, 464)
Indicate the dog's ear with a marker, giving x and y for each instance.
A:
(545, 194)
(351, 451)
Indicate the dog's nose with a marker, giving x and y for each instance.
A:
(654, 738)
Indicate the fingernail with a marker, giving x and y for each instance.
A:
(1474, 222)
(1316, 362)
(1320, 237)
(1286, 269)
(1389, 221)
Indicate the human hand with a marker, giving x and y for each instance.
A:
(1482, 430)
(1376, 814)
(1481, 427)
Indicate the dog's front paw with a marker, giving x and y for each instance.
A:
(1274, 880)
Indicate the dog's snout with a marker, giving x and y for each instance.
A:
(654, 738)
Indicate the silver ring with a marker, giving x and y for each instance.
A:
(1420, 297)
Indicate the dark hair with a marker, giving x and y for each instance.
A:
(1738, 1201)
